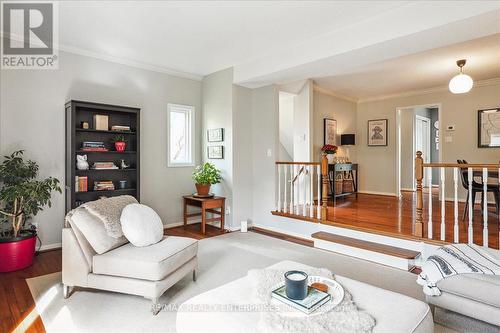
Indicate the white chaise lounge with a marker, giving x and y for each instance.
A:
(92, 259)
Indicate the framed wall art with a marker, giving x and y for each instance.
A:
(377, 132)
(330, 131)
(215, 152)
(488, 128)
(215, 135)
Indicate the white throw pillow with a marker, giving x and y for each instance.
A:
(141, 225)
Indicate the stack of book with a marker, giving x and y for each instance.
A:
(104, 166)
(314, 299)
(93, 146)
(81, 183)
(120, 128)
(104, 185)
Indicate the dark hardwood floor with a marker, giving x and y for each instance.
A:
(394, 215)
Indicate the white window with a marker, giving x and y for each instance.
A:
(180, 119)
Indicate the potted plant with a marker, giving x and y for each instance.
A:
(206, 175)
(120, 142)
(22, 196)
(329, 150)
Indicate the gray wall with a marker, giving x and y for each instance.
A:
(32, 118)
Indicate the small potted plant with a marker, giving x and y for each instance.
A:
(206, 175)
(329, 150)
(22, 196)
(120, 142)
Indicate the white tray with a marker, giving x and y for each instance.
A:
(334, 289)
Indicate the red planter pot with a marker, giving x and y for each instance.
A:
(17, 253)
(120, 146)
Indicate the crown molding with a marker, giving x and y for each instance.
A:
(117, 60)
(333, 94)
(481, 83)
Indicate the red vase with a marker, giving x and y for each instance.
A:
(120, 146)
(16, 254)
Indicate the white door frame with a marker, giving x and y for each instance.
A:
(426, 156)
(399, 109)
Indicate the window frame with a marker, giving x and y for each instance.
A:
(190, 111)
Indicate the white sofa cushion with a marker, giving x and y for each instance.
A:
(482, 288)
(93, 230)
(141, 225)
(153, 262)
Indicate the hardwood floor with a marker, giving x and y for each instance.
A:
(16, 302)
(397, 216)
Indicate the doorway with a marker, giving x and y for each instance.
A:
(417, 130)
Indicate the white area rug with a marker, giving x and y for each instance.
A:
(222, 259)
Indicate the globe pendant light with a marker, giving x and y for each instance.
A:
(461, 83)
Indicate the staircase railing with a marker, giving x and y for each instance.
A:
(297, 184)
(461, 173)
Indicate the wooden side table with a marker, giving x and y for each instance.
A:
(207, 205)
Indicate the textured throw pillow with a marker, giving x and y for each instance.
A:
(93, 230)
(141, 225)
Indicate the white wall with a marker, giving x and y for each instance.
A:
(286, 118)
(303, 124)
(344, 111)
(32, 118)
(217, 91)
(242, 155)
(378, 164)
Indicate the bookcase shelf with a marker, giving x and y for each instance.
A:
(77, 112)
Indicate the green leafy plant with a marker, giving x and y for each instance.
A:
(207, 174)
(119, 138)
(21, 195)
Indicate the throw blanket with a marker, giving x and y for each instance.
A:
(346, 317)
(109, 210)
(455, 259)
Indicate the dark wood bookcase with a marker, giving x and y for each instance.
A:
(77, 112)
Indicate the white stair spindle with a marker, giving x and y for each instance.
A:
(443, 202)
(285, 202)
(318, 204)
(290, 210)
(470, 232)
(279, 188)
(485, 207)
(304, 190)
(455, 205)
(297, 188)
(311, 197)
(429, 222)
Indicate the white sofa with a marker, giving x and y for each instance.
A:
(91, 259)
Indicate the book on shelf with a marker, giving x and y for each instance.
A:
(120, 128)
(104, 185)
(314, 299)
(81, 183)
(104, 166)
(93, 146)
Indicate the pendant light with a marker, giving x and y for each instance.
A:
(461, 83)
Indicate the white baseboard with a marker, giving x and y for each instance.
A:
(379, 193)
(50, 246)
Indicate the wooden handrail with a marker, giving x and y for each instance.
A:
(298, 163)
(462, 166)
(298, 175)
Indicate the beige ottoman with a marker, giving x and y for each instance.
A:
(392, 311)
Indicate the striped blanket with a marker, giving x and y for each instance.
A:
(456, 259)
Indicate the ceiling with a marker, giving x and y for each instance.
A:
(201, 37)
(420, 71)
(342, 44)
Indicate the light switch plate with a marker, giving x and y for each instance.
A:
(448, 139)
(269, 153)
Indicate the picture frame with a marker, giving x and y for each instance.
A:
(329, 131)
(215, 152)
(377, 132)
(488, 128)
(215, 135)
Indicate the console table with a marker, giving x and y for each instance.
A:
(350, 169)
(207, 205)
